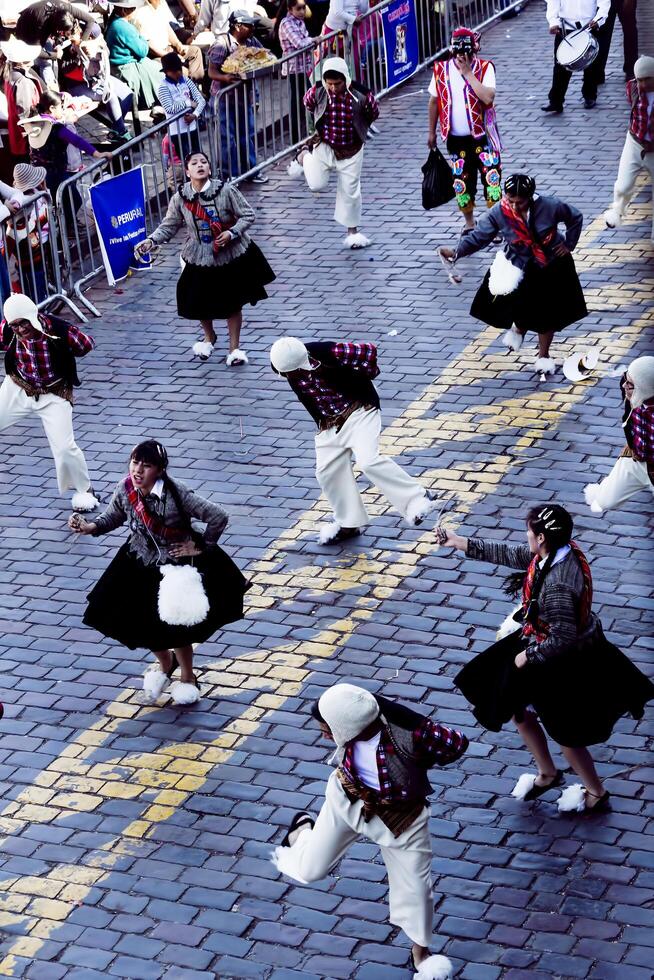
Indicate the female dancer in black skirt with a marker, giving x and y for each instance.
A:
(168, 587)
(532, 284)
(224, 269)
(557, 669)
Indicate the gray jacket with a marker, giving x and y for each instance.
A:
(558, 600)
(221, 199)
(153, 551)
(545, 215)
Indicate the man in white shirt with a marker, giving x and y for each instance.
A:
(565, 16)
(462, 93)
(153, 20)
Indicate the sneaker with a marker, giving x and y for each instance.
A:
(259, 179)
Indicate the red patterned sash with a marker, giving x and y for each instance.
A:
(523, 232)
(155, 526)
(216, 227)
(539, 629)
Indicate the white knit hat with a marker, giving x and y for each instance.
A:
(348, 710)
(18, 52)
(644, 67)
(21, 307)
(289, 354)
(27, 177)
(641, 372)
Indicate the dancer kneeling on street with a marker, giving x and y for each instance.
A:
(634, 470)
(334, 383)
(40, 376)
(379, 791)
(532, 284)
(223, 268)
(169, 586)
(556, 669)
(343, 112)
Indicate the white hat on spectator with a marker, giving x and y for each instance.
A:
(21, 307)
(289, 354)
(37, 129)
(27, 177)
(644, 67)
(19, 53)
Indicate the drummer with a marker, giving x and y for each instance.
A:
(564, 16)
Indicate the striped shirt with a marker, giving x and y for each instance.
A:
(176, 96)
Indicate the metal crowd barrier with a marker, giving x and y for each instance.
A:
(250, 124)
(30, 260)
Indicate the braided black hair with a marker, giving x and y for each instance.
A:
(555, 524)
(520, 185)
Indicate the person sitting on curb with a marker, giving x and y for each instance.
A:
(379, 791)
(334, 383)
(40, 375)
(634, 470)
(343, 112)
(638, 151)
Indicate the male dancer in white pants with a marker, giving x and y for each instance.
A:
(343, 113)
(634, 470)
(40, 371)
(638, 151)
(379, 791)
(334, 383)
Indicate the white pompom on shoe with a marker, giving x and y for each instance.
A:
(295, 170)
(328, 532)
(356, 240)
(420, 508)
(434, 968)
(545, 365)
(155, 682)
(590, 496)
(524, 785)
(612, 218)
(512, 339)
(203, 349)
(83, 502)
(236, 358)
(571, 799)
(184, 693)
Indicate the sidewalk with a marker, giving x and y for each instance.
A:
(136, 838)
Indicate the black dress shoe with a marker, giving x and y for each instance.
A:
(590, 103)
(556, 109)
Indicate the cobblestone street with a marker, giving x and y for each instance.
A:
(136, 838)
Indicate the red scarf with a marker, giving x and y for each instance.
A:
(523, 233)
(154, 524)
(215, 226)
(539, 629)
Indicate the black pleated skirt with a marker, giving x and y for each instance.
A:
(578, 696)
(548, 298)
(215, 292)
(123, 604)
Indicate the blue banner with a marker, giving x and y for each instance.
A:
(119, 212)
(400, 41)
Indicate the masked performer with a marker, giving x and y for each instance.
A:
(556, 671)
(379, 791)
(223, 268)
(169, 586)
(634, 470)
(533, 282)
(334, 383)
(462, 93)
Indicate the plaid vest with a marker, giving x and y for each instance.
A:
(641, 124)
(474, 106)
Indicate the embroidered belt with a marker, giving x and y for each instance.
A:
(59, 387)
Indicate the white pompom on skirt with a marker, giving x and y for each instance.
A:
(125, 603)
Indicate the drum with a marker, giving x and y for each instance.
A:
(577, 50)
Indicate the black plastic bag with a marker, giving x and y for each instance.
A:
(437, 181)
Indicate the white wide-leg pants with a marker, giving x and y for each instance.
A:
(407, 858)
(631, 164)
(359, 439)
(56, 416)
(317, 167)
(627, 478)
